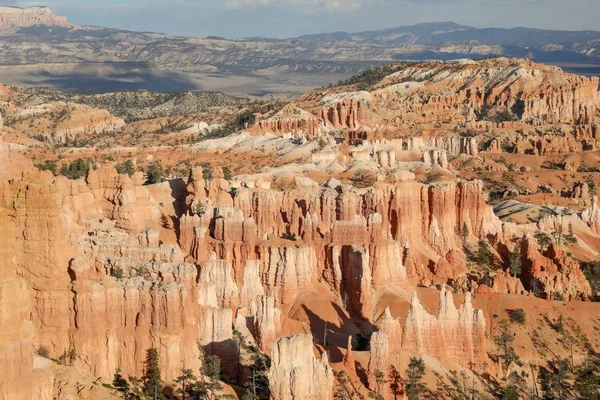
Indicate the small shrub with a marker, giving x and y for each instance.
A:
(125, 167)
(48, 165)
(116, 272)
(140, 271)
(75, 169)
(517, 316)
(559, 326)
(543, 240)
(227, 173)
(68, 357)
(200, 209)
(154, 173)
(207, 171)
(557, 296)
(43, 351)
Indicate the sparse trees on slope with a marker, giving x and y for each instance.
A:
(344, 389)
(555, 384)
(511, 393)
(258, 382)
(482, 257)
(587, 379)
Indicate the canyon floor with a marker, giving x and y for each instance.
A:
(421, 230)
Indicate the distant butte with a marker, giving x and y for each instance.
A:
(14, 17)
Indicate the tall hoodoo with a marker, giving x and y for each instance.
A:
(296, 373)
(457, 334)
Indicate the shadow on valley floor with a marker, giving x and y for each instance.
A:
(94, 78)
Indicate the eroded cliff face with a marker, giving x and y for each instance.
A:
(18, 378)
(104, 284)
(101, 285)
(110, 279)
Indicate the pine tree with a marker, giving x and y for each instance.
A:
(515, 261)
(379, 381)
(570, 237)
(483, 253)
(415, 373)
(152, 381)
(543, 240)
(511, 393)
(465, 232)
(185, 382)
(258, 382)
(504, 340)
(344, 390)
(240, 344)
(211, 369)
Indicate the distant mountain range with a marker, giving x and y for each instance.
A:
(257, 65)
(448, 40)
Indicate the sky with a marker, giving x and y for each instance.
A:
(289, 18)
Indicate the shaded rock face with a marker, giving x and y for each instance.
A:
(11, 17)
(296, 373)
(553, 272)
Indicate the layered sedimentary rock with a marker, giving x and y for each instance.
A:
(290, 119)
(11, 17)
(392, 327)
(267, 322)
(61, 122)
(296, 373)
(355, 239)
(533, 92)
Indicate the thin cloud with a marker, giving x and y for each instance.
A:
(305, 6)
